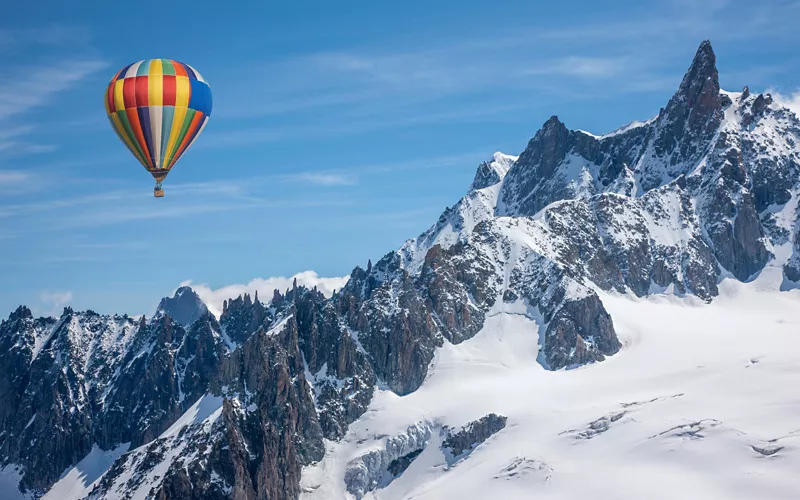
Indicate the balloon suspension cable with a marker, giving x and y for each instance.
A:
(158, 191)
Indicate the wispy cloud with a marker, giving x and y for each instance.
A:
(13, 178)
(24, 88)
(322, 178)
(587, 67)
(366, 88)
(189, 200)
(18, 182)
(123, 214)
(336, 126)
(53, 302)
(13, 40)
(13, 142)
(791, 101)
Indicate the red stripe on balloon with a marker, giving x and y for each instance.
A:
(110, 96)
(169, 90)
(129, 92)
(141, 91)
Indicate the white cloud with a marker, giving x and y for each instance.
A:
(14, 40)
(13, 177)
(13, 142)
(323, 179)
(265, 287)
(791, 101)
(54, 302)
(24, 88)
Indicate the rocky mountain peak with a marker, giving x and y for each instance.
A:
(553, 124)
(489, 173)
(22, 312)
(698, 98)
(702, 70)
(548, 146)
(185, 306)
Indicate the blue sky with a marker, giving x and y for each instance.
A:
(339, 129)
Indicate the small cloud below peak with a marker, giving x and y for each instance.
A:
(214, 297)
(54, 302)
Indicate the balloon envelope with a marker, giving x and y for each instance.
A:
(158, 107)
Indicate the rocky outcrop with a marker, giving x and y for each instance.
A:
(276, 428)
(461, 442)
(581, 331)
(492, 172)
(241, 317)
(365, 472)
(339, 369)
(400, 319)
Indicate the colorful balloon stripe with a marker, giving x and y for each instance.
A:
(158, 107)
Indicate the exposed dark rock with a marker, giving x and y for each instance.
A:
(462, 441)
(242, 316)
(399, 465)
(488, 174)
(343, 379)
(577, 326)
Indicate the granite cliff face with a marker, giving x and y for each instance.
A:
(201, 407)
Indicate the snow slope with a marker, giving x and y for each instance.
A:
(701, 403)
(78, 481)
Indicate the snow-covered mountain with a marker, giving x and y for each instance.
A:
(482, 358)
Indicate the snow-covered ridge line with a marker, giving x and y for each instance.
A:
(625, 128)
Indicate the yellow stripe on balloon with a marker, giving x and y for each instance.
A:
(182, 90)
(119, 99)
(155, 68)
(155, 87)
(177, 123)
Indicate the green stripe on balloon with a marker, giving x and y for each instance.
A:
(182, 133)
(167, 68)
(126, 124)
(119, 134)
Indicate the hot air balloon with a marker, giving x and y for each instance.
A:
(158, 107)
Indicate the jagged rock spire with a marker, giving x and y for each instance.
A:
(692, 116)
(22, 312)
(702, 72)
(698, 96)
